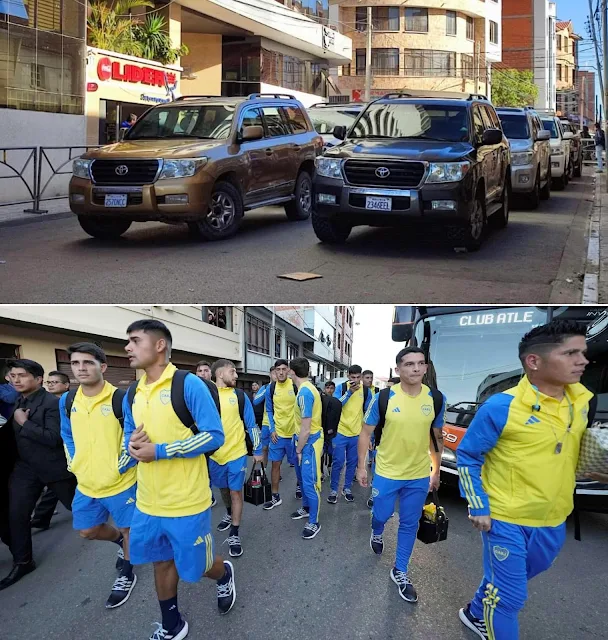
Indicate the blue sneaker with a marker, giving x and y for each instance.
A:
(476, 625)
(376, 542)
(332, 498)
(300, 513)
(406, 588)
(311, 530)
(121, 590)
(180, 632)
(348, 495)
(226, 590)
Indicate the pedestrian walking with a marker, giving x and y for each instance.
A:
(600, 146)
(259, 407)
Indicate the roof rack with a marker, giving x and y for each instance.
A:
(440, 95)
(546, 112)
(195, 97)
(335, 105)
(253, 96)
(477, 96)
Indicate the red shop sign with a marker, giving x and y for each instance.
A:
(134, 73)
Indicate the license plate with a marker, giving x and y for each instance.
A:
(116, 200)
(379, 204)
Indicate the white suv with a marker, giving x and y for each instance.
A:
(560, 150)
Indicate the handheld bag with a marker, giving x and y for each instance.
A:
(433, 525)
(593, 456)
(257, 488)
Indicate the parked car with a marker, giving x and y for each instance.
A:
(560, 151)
(423, 159)
(530, 153)
(203, 160)
(326, 117)
(576, 148)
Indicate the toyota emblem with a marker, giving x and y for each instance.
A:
(121, 170)
(383, 172)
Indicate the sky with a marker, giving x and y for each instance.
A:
(373, 347)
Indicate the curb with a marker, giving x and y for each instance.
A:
(17, 222)
(592, 267)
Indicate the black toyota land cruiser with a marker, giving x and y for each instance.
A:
(431, 159)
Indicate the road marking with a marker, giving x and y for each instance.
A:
(592, 268)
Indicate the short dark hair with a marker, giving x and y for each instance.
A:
(203, 363)
(546, 337)
(31, 366)
(406, 352)
(219, 364)
(152, 326)
(300, 366)
(272, 368)
(62, 376)
(280, 363)
(354, 369)
(330, 383)
(88, 347)
(367, 372)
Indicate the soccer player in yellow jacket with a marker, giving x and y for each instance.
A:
(516, 467)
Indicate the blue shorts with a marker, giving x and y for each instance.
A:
(186, 540)
(280, 449)
(230, 475)
(265, 436)
(91, 512)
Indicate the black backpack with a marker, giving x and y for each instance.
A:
(383, 397)
(576, 511)
(117, 398)
(331, 410)
(344, 389)
(273, 386)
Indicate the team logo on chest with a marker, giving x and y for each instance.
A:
(232, 401)
(426, 409)
(165, 396)
(106, 410)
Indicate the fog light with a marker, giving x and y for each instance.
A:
(77, 198)
(326, 198)
(181, 198)
(524, 179)
(445, 204)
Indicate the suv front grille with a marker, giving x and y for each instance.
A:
(402, 173)
(137, 172)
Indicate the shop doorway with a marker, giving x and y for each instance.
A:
(111, 116)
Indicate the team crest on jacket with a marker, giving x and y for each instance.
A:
(165, 396)
(106, 410)
(426, 409)
(232, 401)
(500, 553)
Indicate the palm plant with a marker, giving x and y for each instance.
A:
(155, 42)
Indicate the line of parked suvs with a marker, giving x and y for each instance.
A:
(451, 160)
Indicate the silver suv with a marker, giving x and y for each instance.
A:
(530, 153)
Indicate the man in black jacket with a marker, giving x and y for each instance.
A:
(40, 461)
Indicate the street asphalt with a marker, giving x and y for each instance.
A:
(540, 258)
(329, 588)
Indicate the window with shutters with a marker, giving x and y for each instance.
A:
(293, 350)
(218, 316)
(258, 335)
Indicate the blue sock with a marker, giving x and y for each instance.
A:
(170, 613)
(127, 569)
(234, 530)
(119, 540)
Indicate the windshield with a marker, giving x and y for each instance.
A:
(550, 125)
(408, 120)
(515, 127)
(206, 122)
(324, 120)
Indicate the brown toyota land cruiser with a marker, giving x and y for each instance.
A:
(202, 160)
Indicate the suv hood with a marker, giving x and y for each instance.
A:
(520, 145)
(402, 149)
(154, 148)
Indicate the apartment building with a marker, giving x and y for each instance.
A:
(343, 341)
(566, 80)
(437, 45)
(586, 89)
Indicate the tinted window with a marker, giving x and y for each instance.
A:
(549, 125)
(251, 118)
(275, 123)
(478, 124)
(325, 119)
(296, 119)
(515, 126)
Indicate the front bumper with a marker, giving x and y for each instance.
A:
(558, 166)
(349, 202)
(523, 178)
(146, 202)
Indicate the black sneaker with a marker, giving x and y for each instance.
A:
(300, 513)
(476, 625)
(332, 498)
(271, 504)
(180, 632)
(406, 588)
(298, 493)
(121, 590)
(376, 543)
(213, 501)
(120, 556)
(311, 530)
(226, 592)
(348, 495)
(225, 523)
(370, 503)
(235, 549)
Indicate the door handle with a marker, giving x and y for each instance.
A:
(268, 152)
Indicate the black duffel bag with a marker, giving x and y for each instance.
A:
(433, 530)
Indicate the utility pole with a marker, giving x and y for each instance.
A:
(581, 101)
(477, 65)
(597, 50)
(368, 57)
(273, 336)
(605, 52)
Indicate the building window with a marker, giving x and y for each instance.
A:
(466, 62)
(493, 32)
(559, 43)
(385, 62)
(417, 20)
(383, 18)
(470, 28)
(427, 63)
(218, 316)
(293, 350)
(258, 335)
(345, 69)
(450, 23)
(277, 343)
(339, 340)
(559, 71)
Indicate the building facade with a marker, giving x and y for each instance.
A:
(566, 79)
(343, 340)
(436, 45)
(586, 90)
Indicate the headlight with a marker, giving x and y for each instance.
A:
(81, 168)
(329, 167)
(448, 455)
(557, 152)
(522, 158)
(181, 168)
(447, 171)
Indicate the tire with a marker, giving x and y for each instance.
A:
(500, 219)
(566, 176)
(224, 216)
(471, 235)
(578, 170)
(560, 183)
(103, 227)
(534, 197)
(330, 231)
(545, 192)
(300, 207)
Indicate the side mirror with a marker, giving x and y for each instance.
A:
(491, 137)
(252, 133)
(340, 132)
(568, 135)
(543, 134)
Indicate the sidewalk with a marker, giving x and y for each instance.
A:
(597, 259)
(12, 215)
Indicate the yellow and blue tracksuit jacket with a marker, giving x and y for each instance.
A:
(354, 405)
(94, 444)
(177, 483)
(281, 409)
(260, 397)
(507, 462)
